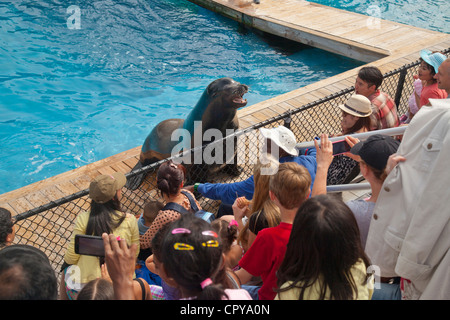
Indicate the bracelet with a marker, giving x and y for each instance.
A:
(196, 186)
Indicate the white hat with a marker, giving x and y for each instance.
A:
(357, 105)
(282, 137)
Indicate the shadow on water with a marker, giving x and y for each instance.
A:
(282, 46)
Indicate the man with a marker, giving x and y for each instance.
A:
(26, 274)
(284, 142)
(443, 76)
(384, 111)
(408, 233)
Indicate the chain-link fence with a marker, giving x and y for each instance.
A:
(49, 227)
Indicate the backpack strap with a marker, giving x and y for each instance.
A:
(179, 208)
(175, 207)
(191, 200)
(144, 293)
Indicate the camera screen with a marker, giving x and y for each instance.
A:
(92, 246)
(340, 147)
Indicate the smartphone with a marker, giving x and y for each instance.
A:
(89, 245)
(340, 147)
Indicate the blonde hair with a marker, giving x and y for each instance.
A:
(291, 184)
(261, 200)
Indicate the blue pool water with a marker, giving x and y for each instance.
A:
(69, 97)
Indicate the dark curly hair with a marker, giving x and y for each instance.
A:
(6, 225)
(170, 176)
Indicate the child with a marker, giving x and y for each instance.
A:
(261, 212)
(228, 234)
(191, 257)
(414, 101)
(288, 188)
(151, 210)
(97, 289)
(164, 291)
(429, 65)
(324, 257)
(6, 228)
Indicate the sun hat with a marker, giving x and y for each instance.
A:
(104, 187)
(433, 59)
(282, 137)
(375, 151)
(357, 105)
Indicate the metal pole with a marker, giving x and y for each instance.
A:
(361, 136)
(348, 187)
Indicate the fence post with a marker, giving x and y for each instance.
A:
(288, 119)
(401, 82)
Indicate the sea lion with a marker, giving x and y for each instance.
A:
(216, 109)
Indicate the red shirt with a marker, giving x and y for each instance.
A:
(265, 256)
(431, 92)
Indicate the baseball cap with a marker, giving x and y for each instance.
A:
(104, 187)
(282, 137)
(375, 151)
(433, 59)
(357, 105)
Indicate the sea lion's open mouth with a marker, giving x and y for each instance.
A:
(238, 96)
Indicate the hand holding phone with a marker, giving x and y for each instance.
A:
(340, 147)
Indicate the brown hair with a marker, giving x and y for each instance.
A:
(362, 122)
(291, 184)
(379, 174)
(170, 176)
(151, 210)
(372, 75)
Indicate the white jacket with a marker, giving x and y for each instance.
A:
(409, 235)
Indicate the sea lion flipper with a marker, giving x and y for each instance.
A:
(134, 181)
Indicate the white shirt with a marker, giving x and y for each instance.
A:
(409, 235)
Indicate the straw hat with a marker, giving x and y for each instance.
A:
(357, 105)
(104, 187)
(282, 137)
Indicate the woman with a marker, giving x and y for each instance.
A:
(372, 156)
(262, 212)
(429, 64)
(355, 119)
(170, 182)
(324, 258)
(105, 216)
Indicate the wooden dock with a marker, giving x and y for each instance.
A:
(353, 35)
(388, 47)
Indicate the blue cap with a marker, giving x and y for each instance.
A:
(433, 59)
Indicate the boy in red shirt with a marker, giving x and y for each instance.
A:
(288, 188)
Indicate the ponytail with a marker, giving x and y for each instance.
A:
(211, 291)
